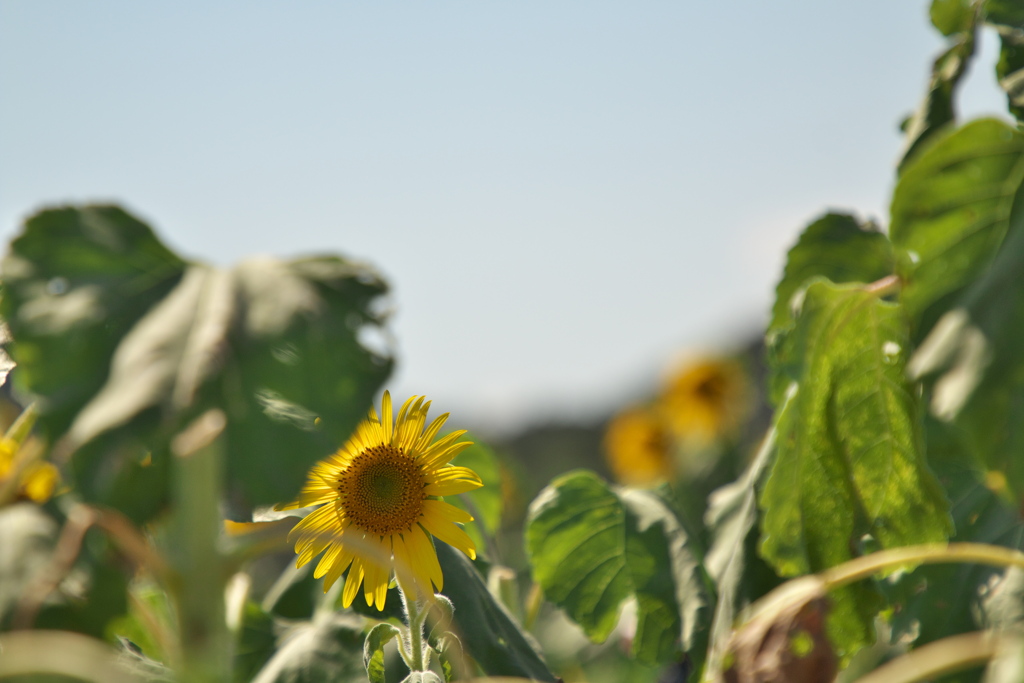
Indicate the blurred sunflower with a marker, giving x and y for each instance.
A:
(637, 448)
(705, 400)
(379, 498)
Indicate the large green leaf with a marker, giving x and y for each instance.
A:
(837, 247)
(272, 343)
(850, 461)
(950, 213)
(75, 282)
(489, 633)
(935, 601)
(592, 548)
(978, 362)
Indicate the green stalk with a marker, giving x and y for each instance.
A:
(413, 612)
(199, 569)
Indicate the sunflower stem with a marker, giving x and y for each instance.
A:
(415, 616)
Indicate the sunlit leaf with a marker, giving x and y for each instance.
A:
(952, 16)
(373, 650)
(850, 461)
(950, 213)
(837, 247)
(593, 547)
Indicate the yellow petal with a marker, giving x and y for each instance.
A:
(387, 421)
(424, 558)
(445, 512)
(453, 536)
(449, 481)
(352, 582)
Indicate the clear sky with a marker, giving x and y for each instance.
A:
(563, 194)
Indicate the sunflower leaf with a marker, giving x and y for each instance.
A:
(124, 342)
(373, 650)
(950, 213)
(592, 548)
(849, 461)
(485, 628)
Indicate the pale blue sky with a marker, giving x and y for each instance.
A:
(563, 194)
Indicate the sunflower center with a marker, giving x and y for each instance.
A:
(381, 491)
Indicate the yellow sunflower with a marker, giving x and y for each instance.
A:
(705, 400)
(379, 499)
(637, 448)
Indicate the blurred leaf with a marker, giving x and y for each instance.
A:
(75, 282)
(131, 658)
(257, 642)
(1008, 18)
(935, 601)
(490, 635)
(937, 109)
(977, 363)
(850, 461)
(373, 650)
(125, 342)
(27, 536)
(483, 503)
(592, 548)
(952, 16)
(950, 213)
(731, 561)
(837, 247)
(327, 650)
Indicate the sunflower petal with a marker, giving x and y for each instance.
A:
(386, 418)
(352, 582)
(452, 535)
(424, 558)
(451, 480)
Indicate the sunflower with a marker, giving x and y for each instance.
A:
(637, 448)
(379, 498)
(705, 400)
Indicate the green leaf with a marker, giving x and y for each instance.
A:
(935, 601)
(952, 16)
(592, 548)
(483, 503)
(977, 363)
(373, 650)
(489, 633)
(449, 656)
(938, 108)
(75, 282)
(837, 247)
(950, 213)
(738, 573)
(850, 461)
(1008, 18)
(125, 342)
(326, 650)
(257, 642)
